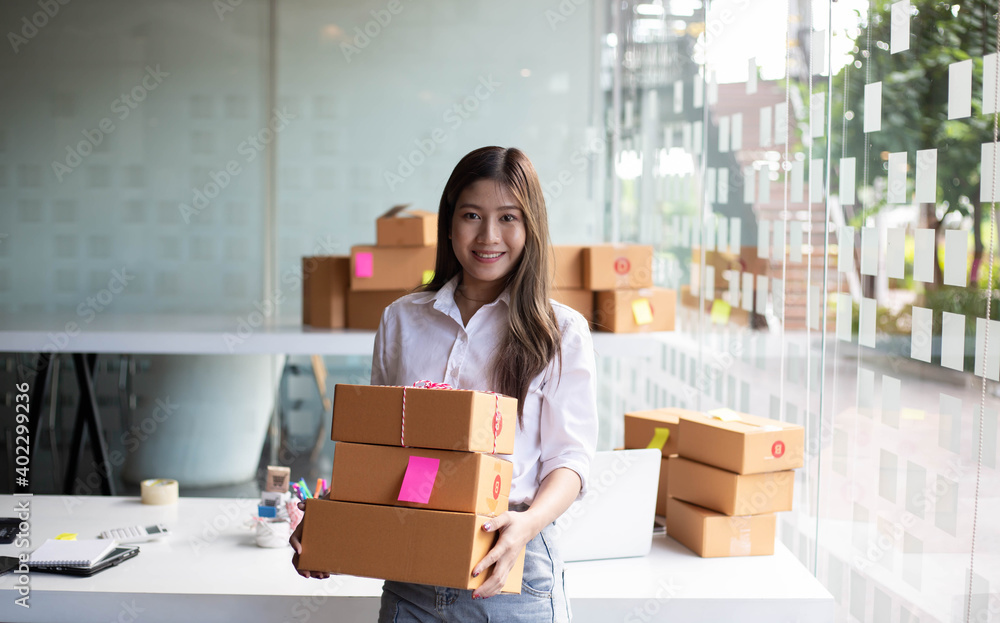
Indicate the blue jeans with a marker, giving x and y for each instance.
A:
(542, 597)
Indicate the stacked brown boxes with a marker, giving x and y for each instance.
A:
(733, 473)
(415, 477)
(567, 280)
(324, 291)
(626, 301)
(656, 428)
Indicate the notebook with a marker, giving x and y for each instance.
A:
(80, 553)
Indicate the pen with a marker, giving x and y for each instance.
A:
(319, 487)
(305, 488)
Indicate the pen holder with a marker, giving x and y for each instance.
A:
(272, 533)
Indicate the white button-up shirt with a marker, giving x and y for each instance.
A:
(421, 337)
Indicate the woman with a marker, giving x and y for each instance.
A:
(485, 322)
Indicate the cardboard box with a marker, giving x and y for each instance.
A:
(746, 261)
(635, 311)
(400, 544)
(403, 227)
(445, 419)
(711, 535)
(662, 490)
(391, 268)
(580, 300)
(641, 428)
(611, 267)
(728, 493)
(567, 267)
(364, 307)
(463, 482)
(741, 443)
(324, 290)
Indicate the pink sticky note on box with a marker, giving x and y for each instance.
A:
(364, 264)
(418, 482)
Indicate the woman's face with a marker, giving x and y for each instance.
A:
(487, 233)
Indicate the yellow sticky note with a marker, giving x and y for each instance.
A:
(67, 536)
(720, 312)
(660, 437)
(726, 415)
(428, 277)
(911, 414)
(642, 312)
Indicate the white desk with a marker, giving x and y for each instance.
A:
(211, 570)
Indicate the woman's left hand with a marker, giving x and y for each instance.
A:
(516, 529)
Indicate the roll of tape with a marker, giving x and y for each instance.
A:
(159, 491)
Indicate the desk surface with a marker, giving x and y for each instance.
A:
(212, 561)
(217, 335)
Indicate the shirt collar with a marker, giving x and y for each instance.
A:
(444, 299)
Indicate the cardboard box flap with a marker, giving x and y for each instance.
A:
(394, 210)
(745, 423)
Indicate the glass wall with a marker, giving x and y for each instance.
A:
(816, 178)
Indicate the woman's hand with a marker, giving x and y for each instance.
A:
(296, 542)
(516, 529)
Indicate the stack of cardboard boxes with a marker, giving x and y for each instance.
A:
(415, 477)
(625, 300)
(733, 473)
(658, 429)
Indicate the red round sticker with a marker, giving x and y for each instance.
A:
(778, 449)
(622, 266)
(496, 487)
(497, 423)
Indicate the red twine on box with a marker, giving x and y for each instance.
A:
(433, 385)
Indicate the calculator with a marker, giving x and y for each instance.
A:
(135, 534)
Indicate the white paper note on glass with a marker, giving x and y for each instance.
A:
(765, 126)
(722, 231)
(845, 249)
(724, 134)
(735, 233)
(778, 297)
(795, 241)
(923, 255)
(920, 333)
(953, 341)
(814, 309)
(798, 181)
(723, 185)
(816, 181)
(990, 173)
(895, 252)
(899, 28)
(896, 189)
(747, 292)
(709, 230)
(685, 235)
(780, 123)
(891, 391)
(960, 89)
(679, 96)
(989, 84)
(845, 315)
(818, 60)
(869, 251)
(751, 76)
(817, 115)
(749, 176)
(734, 287)
(991, 358)
(778, 239)
(698, 91)
(873, 107)
(848, 179)
(866, 323)
(713, 89)
(710, 185)
(736, 132)
(763, 239)
(761, 302)
(925, 190)
(956, 257)
(866, 392)
(764, 186)
(709, 284)
(696, 139)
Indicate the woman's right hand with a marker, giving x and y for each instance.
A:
(296, 542)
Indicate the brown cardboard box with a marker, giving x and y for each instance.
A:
(400, 544)
(640, 427)
(365, 307)
(728, 493)
(711, 535)
(746, 261)
(390, 268)
(402, 227)
(746, 445)
(580, 300)
(324, 290)
(466, 482)
(662, 494)
(610, 267)
(445, 419)
(568, 267)
(615, 310)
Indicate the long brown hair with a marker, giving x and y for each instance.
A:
(533, 338)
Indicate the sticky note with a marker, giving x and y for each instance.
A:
(764, 187)
(816, 181)
(817, 115)
(818, 60)
(869, 251)
(695, 232)
(921, 331)
(736, 132)
(747, 302)
(364, 264)
(720, 312)
(780, 123)
(890, 401)
(685, 231)
(418, 481)
(873, 107)
(696, 140)
(992, 358)
(956, 257)
(735, 233)
(752, 75)
(778, 238)
(960, 89)
(660, 437)
(845, 249)
(765, 127)
(866, 323)
(722, 229)
(709, 285)
(848, 180)
(989, 84)
(990, 171)
(710, 188)
(814, 311)
(723, 135)
(761, 301)
(679, 96)
(896, 188)
(845, 315)
(925, 186)
(795, 241)
(698, 91)
(67, 536)
(642, 312)
(923, 255)
(712, 90)
(749, 176)
(723, 196)
(899, 27)
(895, 252)
(796, 194)
(953, 341)
(709, 231)
(428, 276)
(866, 392)
(887, 475)
(725, 415)
(686, 137)
(778, 297)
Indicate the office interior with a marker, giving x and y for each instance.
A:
(176, 159)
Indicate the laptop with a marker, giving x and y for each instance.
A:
(615, 518)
